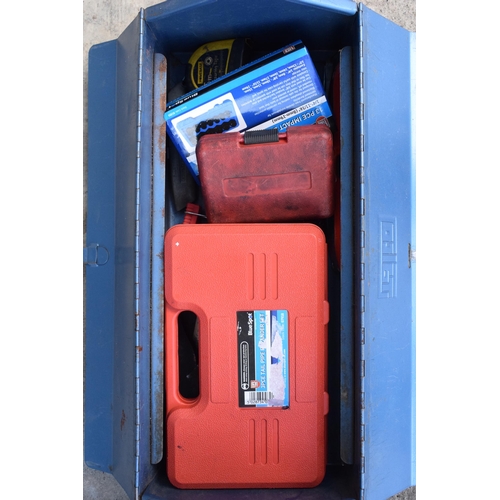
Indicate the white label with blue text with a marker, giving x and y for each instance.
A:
(263, 359)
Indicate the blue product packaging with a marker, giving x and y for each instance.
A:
(280, 90)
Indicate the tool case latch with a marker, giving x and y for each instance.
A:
(95, 255)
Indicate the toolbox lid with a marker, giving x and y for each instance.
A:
(387, 240)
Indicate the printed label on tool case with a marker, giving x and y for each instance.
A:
(263, 359)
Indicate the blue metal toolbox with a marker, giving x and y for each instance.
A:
(371, 359)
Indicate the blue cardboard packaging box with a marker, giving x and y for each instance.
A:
(279, 90)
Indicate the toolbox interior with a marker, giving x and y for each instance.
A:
(331, 40)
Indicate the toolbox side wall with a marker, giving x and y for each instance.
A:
(187, 25)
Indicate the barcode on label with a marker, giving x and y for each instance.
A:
(253, 398)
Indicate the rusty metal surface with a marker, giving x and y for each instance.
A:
(157, 301)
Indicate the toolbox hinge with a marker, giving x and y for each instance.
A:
(362, 229)
(137, 254)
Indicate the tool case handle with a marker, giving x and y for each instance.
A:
(174, 399)
(262, 136)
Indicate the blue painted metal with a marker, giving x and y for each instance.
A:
(335, 487)
(345, 6)
(347, 260)
(144, 261)
(118, 334)
(359, 265)
(184, 24)
(126, 285)
(412, 262)
(100, 280)
(95, 255)
(386, 231)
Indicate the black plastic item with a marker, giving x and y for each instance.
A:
(218, 58)
(183, 186)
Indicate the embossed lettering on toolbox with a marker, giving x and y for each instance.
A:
(388, 258)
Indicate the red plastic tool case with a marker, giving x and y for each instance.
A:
(226, 273)
(287, 179)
